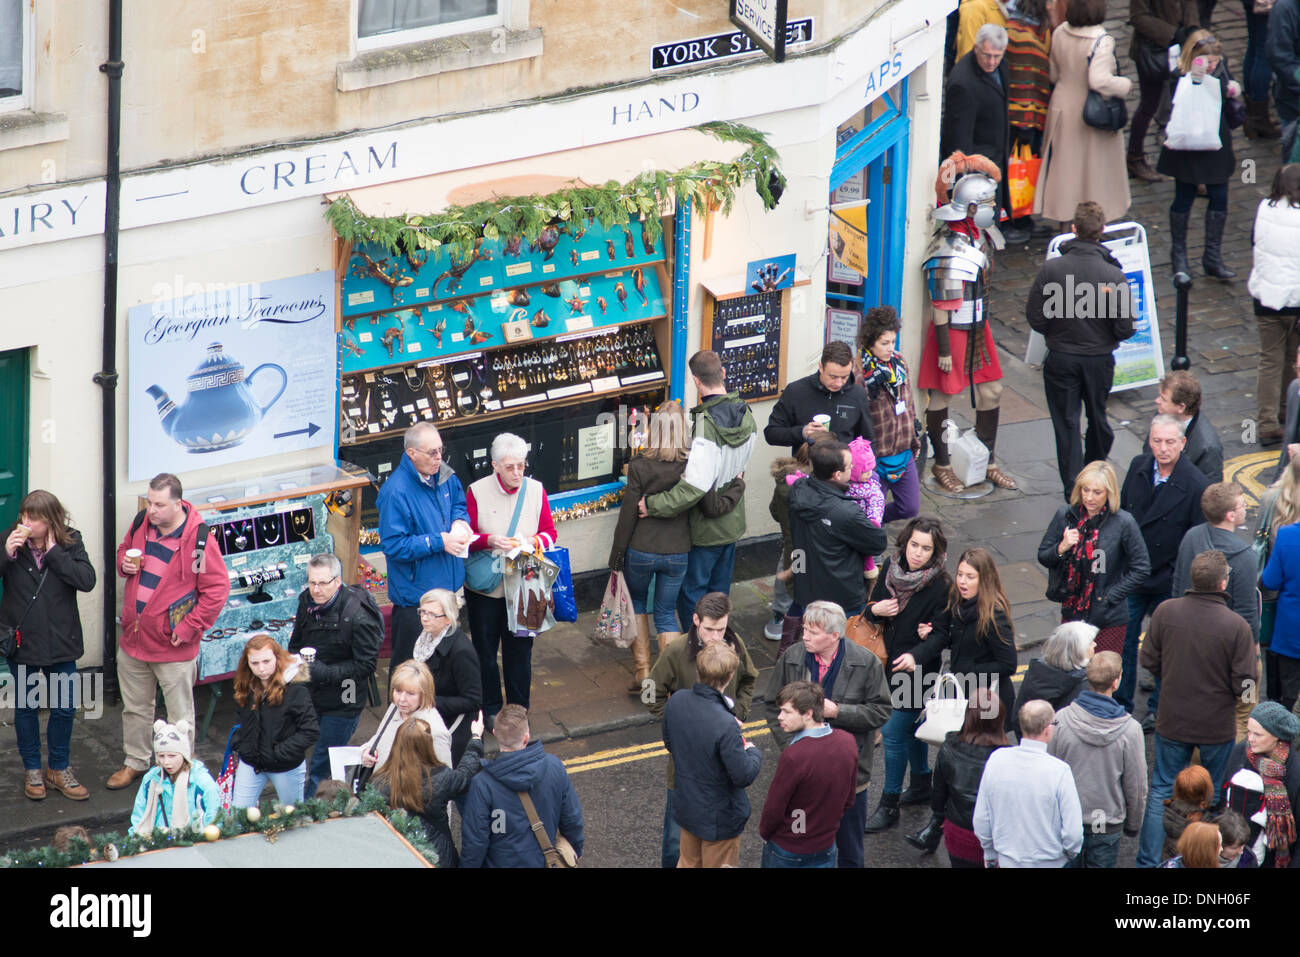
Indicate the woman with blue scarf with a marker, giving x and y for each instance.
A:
(893, 412)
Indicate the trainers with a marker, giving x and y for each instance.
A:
(772, 630)
(123, 777)
(66, 782)
(33, 786)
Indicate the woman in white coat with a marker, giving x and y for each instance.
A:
(1275, 287)
(413, 697)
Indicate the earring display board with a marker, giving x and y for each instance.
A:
(749, 334)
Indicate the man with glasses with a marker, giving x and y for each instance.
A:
(342, 623)
(424, 531)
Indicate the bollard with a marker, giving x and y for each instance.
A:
(1182, 285)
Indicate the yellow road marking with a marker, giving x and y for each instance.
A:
(1246, 470)
(615, 756)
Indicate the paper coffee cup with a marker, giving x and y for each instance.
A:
(308, 654)
(134, 553)
(822, 420)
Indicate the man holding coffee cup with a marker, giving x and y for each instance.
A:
(826, 401)
(176, 586)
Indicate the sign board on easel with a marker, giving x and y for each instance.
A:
(1139, 360)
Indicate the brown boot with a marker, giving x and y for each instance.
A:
(66, 782)
(123, 777)
(1138, 168)
(33, 786)
(666, 638)
(640, 653)
(1259, 125)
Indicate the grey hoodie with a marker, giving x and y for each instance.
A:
(1108, 758)
(1242, 572)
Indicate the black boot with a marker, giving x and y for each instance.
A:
(918, 791)
(886, 815)
(927, 839)
(1212, 261)
(1178, 236)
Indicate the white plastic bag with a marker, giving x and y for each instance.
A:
(970, 458)
(1194, 120)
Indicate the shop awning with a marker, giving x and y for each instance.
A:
(539, 175)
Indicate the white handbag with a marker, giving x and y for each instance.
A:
(1194, 120)
(943, 715)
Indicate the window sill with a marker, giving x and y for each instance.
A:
(29, 128)
(416, 60)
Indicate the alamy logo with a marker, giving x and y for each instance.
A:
(76, 910)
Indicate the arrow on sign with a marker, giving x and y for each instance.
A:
(312, 429)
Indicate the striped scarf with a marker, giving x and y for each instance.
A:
(1280, 827)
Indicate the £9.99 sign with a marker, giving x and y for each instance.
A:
(764, 22)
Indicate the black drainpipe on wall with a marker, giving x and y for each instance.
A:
(107, 377)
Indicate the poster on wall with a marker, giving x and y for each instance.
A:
(231, 373)
(848, 238)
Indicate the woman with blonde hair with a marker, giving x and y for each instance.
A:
(413, 697)
(646, 548)
(1089, 588)
(414, 780)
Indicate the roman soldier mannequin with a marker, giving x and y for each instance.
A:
(959, 352)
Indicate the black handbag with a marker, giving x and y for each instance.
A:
(1104, 112)
(1152, 60)
(1056, 578)
(11, 638)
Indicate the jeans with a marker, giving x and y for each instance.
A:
(782, 598)
(1256, 73)
(903, 749)
(1139, 606)
(44, 686)
(1185, 196)
(905, 495)
(667, 572)
(708, 569)
(487, 626)
(672, 842)
(1072, 382)
(853, 825)
(774, 856)
(1153, 699)
(1170, 758)
(249, 785)
(335, 732)
(1099, 850)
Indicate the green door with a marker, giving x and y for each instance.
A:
(13, 433)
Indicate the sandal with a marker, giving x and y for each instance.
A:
(1000, 478)
(946, 477)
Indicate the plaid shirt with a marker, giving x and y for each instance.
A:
(894, 433)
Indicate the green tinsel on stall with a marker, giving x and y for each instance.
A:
(711, 185)
(272, 821)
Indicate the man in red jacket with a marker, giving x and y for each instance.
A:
(814, 786)
(175, 589)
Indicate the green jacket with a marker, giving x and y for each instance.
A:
(724, 438)
(674, 671)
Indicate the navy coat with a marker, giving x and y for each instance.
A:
(1163, 517)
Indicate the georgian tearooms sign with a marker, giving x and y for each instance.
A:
(764, 22)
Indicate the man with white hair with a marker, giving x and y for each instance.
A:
(423, 530)
(507, 510)
(1027, 812)
(975, 117)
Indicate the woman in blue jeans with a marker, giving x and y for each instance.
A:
(656, 548)
(911, 590)
(1257, 73)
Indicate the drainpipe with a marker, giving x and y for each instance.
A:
(106, 378)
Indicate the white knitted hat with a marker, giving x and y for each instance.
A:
(173, 738)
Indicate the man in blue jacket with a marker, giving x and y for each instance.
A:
(713, 763)
(424, 531)
(495, 830)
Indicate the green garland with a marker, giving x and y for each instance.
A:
(461, 228)
(232, 823)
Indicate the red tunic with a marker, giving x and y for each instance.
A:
(951, 383)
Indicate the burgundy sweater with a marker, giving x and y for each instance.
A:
(815, 776)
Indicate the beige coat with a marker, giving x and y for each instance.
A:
(1079, 162)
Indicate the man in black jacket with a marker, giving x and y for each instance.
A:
(1162, 491)
(975, 119)
(1180, 396)
(1283, 49)
(829, 391)
(343, 625)
(832, 536)
(1080, 302)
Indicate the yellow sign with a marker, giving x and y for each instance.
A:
(848, 238)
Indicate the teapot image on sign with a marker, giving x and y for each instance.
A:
(221, 410)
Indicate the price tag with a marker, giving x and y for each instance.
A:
(366, 336)
(413, 347)
(900, 407)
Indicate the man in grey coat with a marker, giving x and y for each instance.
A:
(857, 700)
(1105, 750)
(1224, 505)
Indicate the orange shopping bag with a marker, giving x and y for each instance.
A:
(1023, 170)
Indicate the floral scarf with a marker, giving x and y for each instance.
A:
(1081, 574)
(1280, 827)
(903, 584)
(891, 375)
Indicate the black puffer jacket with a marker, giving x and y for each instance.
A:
(921, 608)
(957, 773)
(1043, 682)
(347, 637)
(835, 536)
(276, 738)
(51, 631)
(457, 686)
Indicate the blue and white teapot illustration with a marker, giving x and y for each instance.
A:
(221, 410)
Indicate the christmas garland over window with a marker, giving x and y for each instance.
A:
(710, 185)
(270, 820)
